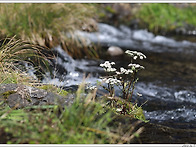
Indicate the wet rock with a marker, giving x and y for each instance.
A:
(115, 51)
(21, 96)
(7, 87)
(157, 133)
(162, 132)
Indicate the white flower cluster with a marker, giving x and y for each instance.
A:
(135, 54)
(91, 87)
(124, 71)
(112, 81)
(108, 66)
(136, 66)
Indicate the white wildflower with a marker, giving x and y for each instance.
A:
(118, 109)
(113, 69)
(135, 66)
(124, 71)
(112, 63)
(135, 57)
(107, 81)
(135, 54)
(108, 66)
(102, 65)
(112, 81)
(118, 73)
(130, 71)
(91, 87)
(139, 94)
(110, 69)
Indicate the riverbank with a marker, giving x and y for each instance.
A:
(159, 18)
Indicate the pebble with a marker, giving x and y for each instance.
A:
(115, 51)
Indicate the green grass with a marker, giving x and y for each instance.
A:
(70, 127)
(11, 76)
(166, 17)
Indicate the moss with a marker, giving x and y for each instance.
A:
(7, 93)
(28, 98)
(110, 9)
(62, 92)
(54, 89)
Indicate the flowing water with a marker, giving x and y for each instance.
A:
(168, 83)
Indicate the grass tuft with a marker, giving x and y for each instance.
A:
(166, 17)
(14, 54)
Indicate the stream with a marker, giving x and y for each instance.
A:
(168, 83)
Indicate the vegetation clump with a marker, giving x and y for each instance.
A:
(124, 80)
(166, 17)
